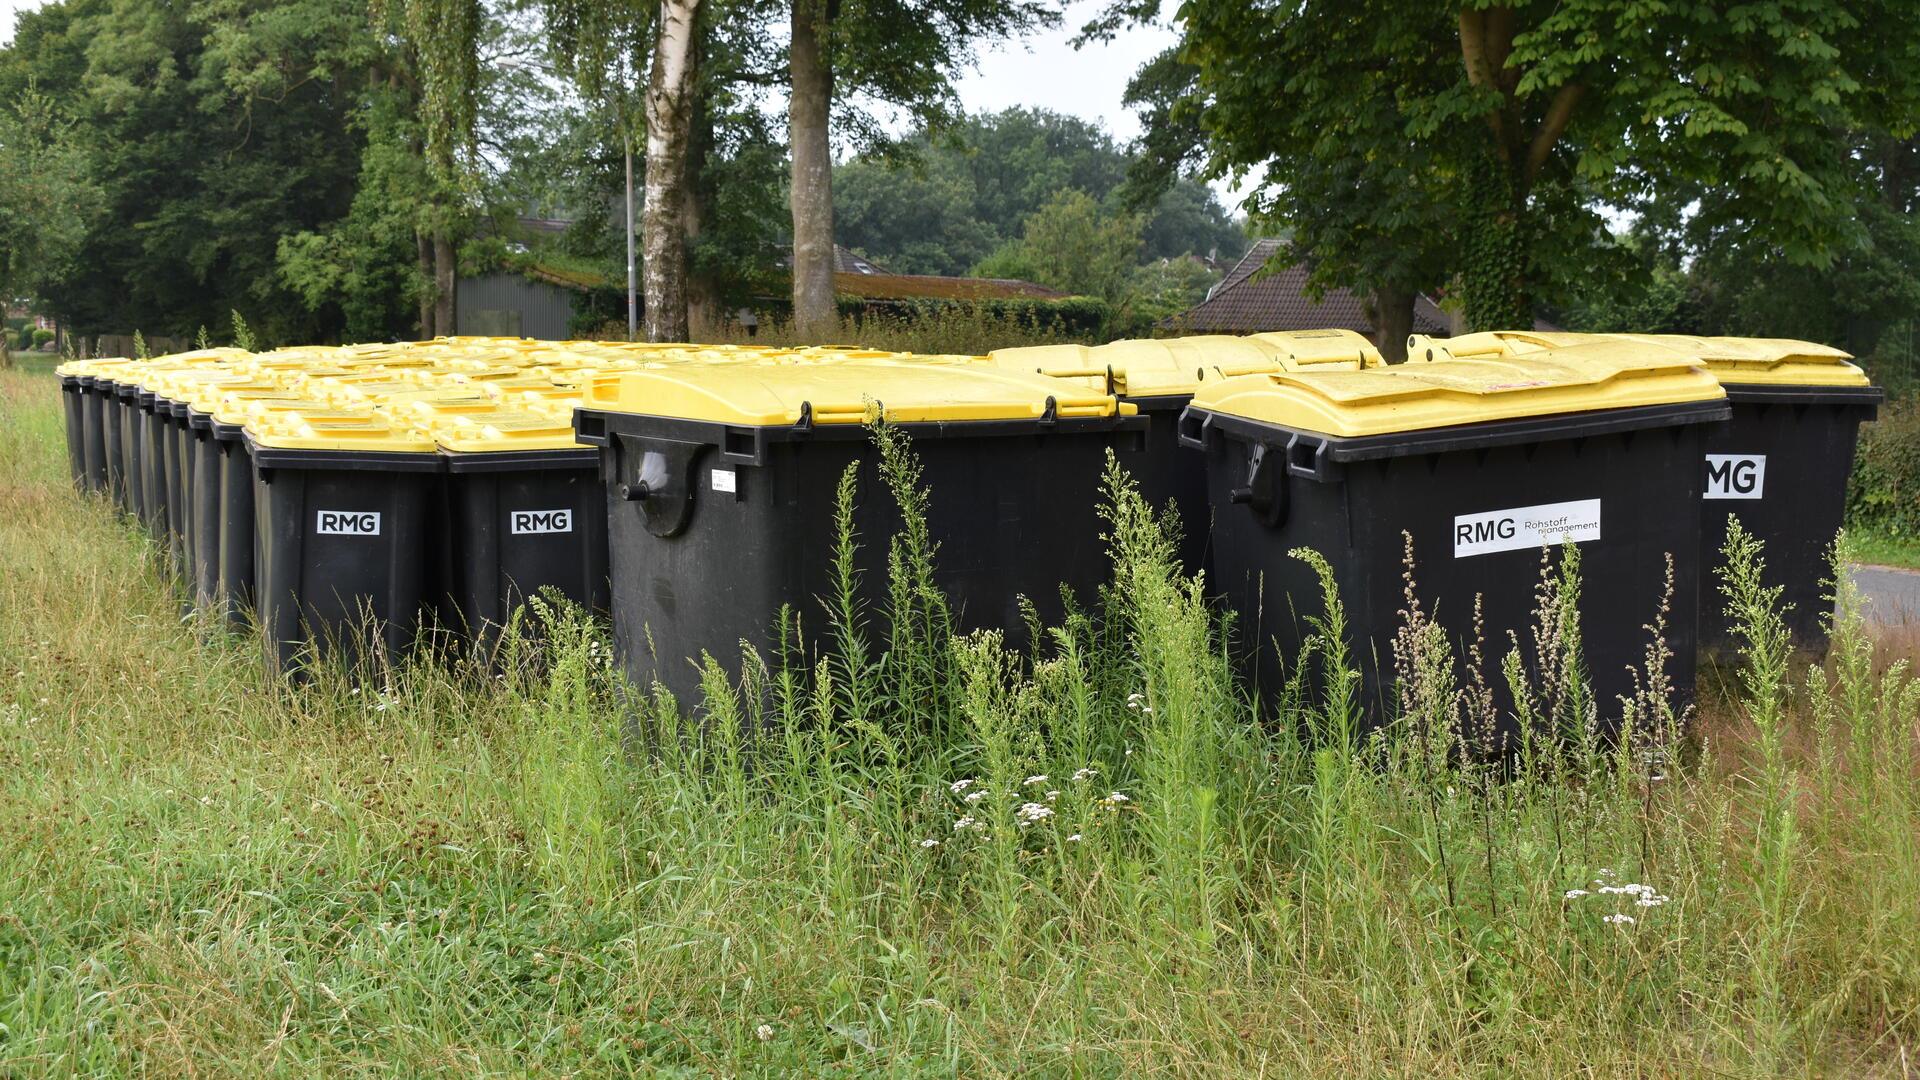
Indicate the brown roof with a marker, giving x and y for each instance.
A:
(1245, 304)
(926, 286)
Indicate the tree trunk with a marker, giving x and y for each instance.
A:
(444, 282)
(1392, 322)
(423, 245)
(810, 103)
(703, 291)
(662, 222)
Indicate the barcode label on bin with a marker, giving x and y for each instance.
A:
(532, 522)
(723, 480)
(1526, 527)
(1735, 476)
(348, 523)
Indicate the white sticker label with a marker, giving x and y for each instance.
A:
(723, 480)
(348, 523)
(1735, 476)
(1526, 527)
(526, 522)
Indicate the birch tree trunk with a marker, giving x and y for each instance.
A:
(663, 216)
(809, 105)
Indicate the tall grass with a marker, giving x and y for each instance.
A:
(907, 849)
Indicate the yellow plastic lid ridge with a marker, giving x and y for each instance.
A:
(501, 431)
(1156, 367)
(771, 395)
(1734, 360)
(367, 432)
(1449, 393)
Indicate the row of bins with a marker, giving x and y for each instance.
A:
(691, 491)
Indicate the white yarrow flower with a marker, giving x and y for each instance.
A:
(929, 842)
(975, 796)
(1073, 838)
(959, 786)
(1041, 778)
(964, 823)
(1618, 919)
(1116, 798)
(1575, 894)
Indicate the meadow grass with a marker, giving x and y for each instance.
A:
(920, 852)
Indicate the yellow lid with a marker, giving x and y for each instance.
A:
(772, 395)
(241, 406)
(1735, 361)
(499, 431)
(1156, 367)
(316, 428)
(1475, 390)
(206, 396)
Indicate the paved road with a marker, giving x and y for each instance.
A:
(1893, 596)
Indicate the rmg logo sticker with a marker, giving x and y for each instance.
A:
(1735, 476)
(529, 522)
(348, 523)
(1526, 527)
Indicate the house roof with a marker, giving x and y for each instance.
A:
(882, 286)
(1244, 303)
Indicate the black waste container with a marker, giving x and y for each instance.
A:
(73, 411)
(721, 484)
(121, 443)
(222, 513)
(151, 425)
(94, 449)
(180, 484)
(342, 511)
(525, 512)
(1484, 465)
(1780, 465)
(1159, 376)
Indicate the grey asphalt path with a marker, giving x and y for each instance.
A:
(1892, 595)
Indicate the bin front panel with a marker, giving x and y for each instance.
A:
(342, 561)
(181, 535)
(132, 443)
(233, 510)
(1014, 515)
(113, 429)
(73, 407)
(94, 436)
(512, 534)
(203, 515)
(1629, 494)
(1782, 469)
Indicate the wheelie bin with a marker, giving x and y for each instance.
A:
(1159, 376)
(525, 512)
(721, 483)
(222, 519)
(1483, 468)
(87, 375)
(1780, 465)
(73, 412)
(342, 527)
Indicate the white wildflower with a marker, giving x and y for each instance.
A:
(1083, 775)
(1073, 838)
(1040, 778)
(1052, 795)
(764, 1032)
(1032, 812)
(1618, 919)
(959, 786)
(964, 823)
(1575, 894)
(929, 842)
(975, 796)
(1115, 798)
